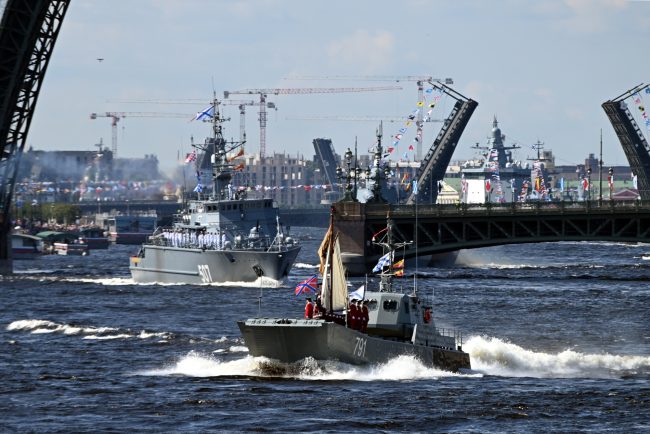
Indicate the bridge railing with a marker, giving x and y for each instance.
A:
(524, 208)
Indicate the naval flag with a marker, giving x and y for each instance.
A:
(384, 261)
(307, 285)
(205, 114)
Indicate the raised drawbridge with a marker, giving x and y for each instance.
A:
(634, 143)
(28, 31)
(433, 166)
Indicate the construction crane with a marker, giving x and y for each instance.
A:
(242, 113)
(263, 93)
(420, 80)
(359, 118)
(116, 116)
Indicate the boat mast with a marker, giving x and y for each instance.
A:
(221, 168)
(220, 171)
(328, 270)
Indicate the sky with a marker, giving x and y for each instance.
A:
(543, 68)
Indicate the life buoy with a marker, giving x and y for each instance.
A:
(427, 315)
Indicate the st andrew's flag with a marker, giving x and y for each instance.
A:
(308, 285)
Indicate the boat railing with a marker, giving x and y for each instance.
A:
(451, 333)
(188, 240)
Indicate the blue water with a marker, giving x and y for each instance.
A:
(559, 338)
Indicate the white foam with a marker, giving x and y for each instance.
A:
(29, 324)
(496, 357)
(37, 326)
(645, 257)
(238, 349)
(197, 365)
(108, 337)
(303, 265)
(260, 282)
(399, 369)
(264, 282)
(146, 335)
(117, 281)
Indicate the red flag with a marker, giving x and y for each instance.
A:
(238, 154)
(307, 285)
(190, 157)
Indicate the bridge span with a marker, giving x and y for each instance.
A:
(446, 228)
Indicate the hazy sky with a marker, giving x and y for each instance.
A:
(542, 67)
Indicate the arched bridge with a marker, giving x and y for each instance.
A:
(446, 228)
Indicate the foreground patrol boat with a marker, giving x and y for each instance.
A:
(223, 236)
(399, 324)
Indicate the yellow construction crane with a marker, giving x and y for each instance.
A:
(263, 93)
(116, 116)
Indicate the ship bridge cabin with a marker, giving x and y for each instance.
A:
(241, 214)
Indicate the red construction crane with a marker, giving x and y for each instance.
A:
(263, 93)
(116, 116)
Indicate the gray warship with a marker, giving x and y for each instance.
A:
(223, 235)
(398, 324)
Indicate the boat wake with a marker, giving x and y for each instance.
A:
(303, 265)
(401, 368)
(39, 326)
(263, 282)
(492, 356)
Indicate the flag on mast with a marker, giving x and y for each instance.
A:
(190, 157)
(205, 114)
(307, 285)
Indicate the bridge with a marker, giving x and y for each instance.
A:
(446, 228)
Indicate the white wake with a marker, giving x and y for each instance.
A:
(401, 368)
(493, 356)
(38, 326)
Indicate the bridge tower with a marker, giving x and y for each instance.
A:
(634, 143)
(28, 32)
(433, 166)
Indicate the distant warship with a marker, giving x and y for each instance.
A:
(497, 177)
(223, 236)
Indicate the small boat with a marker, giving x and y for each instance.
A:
(397, 324)
(63, 243)
(74, 248)
(94, 237)
(24, 246)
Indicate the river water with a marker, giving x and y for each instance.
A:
(558, 334)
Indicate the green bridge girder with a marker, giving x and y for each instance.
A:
(448, 228)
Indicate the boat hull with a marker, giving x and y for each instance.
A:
(165, 264)
(290, 340)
